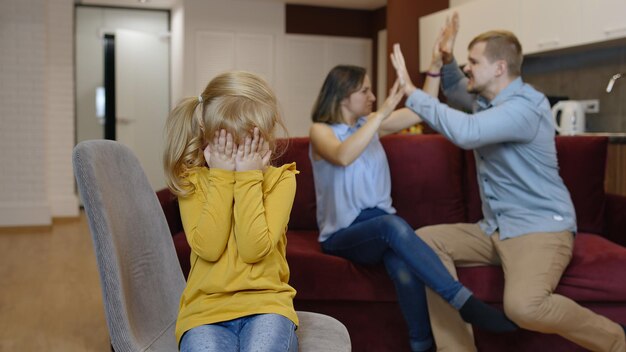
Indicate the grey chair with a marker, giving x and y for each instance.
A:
(139, 272)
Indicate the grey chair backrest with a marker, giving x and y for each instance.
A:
(139, 272)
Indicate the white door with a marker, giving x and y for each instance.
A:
(142, 97)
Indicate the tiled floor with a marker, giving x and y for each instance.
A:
(50, 298)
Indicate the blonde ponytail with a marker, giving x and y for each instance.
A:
(184, 145)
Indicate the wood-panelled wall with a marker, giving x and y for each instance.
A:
(615, 182)
(403, 27)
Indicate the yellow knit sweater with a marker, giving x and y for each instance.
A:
(235, 223)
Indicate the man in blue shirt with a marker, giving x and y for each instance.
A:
(529, 220)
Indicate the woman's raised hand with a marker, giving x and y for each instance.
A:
(397, 59)
(447, 38)
(220, 153)
(395, 95)
(253, 154)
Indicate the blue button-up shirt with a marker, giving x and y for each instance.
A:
(513, 141)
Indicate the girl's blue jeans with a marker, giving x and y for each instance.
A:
(258, 333)
(376, 236)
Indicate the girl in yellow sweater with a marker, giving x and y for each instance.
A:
(235, 209)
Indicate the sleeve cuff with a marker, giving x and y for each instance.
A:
(449, 67)
(221, 175)
(250, 175)
(451, 74)
(413, 102)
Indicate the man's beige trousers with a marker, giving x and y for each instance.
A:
(532, 265)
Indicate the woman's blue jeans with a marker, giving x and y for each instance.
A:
(258, 333)
(376, 236)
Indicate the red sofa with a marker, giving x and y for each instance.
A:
(434, 182)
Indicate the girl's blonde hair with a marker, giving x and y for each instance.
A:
(236, 101)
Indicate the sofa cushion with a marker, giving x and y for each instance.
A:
(319, 276)
(590, 276)
(303, 212)
(428, 190)
(169, 204)
(473, 204)
(595, 270)
(582, 162)
(423, 198)
(183, 251)
(615, 221)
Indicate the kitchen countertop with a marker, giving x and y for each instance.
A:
(614, 137)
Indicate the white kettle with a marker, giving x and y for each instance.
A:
(569, 117)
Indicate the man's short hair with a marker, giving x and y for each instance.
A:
(502, 45)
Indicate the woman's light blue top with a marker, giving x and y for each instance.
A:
(343, 191)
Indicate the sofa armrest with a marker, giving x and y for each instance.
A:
(615, 219)
(169, 204)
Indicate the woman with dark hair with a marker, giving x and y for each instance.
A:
(354, 212)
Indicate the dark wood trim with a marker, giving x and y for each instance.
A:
(403, 27)
(301, 19)
(379, 22)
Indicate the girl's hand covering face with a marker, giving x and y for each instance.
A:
(253, 154)
(221, 152)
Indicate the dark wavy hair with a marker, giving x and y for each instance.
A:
(341, 82)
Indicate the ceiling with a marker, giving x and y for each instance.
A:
(166, 4)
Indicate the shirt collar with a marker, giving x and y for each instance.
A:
(343, 129)
(509, 90)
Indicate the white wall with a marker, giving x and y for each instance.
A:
(235, 34)
(202, 17)
(37, 89)
(305, 62)
(177, 44)
(36, 112)
(60, 109)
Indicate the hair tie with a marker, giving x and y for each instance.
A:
(200, 99)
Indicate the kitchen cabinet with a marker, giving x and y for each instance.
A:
(475, 17)
(603, 20)
(540, 25)
(548, 25)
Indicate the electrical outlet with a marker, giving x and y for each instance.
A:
(591, 106)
